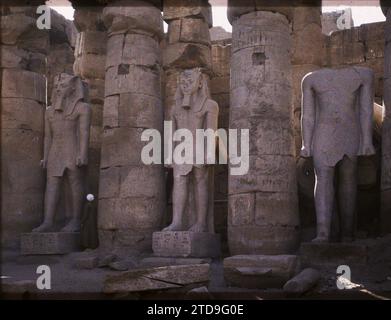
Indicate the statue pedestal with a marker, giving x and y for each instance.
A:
(186, 244)
(49, 242)
(359, 252)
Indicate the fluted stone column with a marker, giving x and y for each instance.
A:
(386, 134)
(131, 194)
(263, 206)
(23, 100)
(90, 60)
(307, 55)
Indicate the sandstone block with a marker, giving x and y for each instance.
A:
(187, 56)
(259, 271)
(175, 9)
(188, 30)
(50, 243)
(158, 278)
(23, 84)
(185, 244)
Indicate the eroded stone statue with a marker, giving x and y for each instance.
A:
(193, 110)
(67, 128)
(337, 115)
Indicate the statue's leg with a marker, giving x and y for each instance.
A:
(52, 196)
(202, 188)
(324, 200)
(347, 191)
(77, 190)
(179, 200)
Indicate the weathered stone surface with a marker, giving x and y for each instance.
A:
(122, 147)
(261, 102)
(23, 84)
(267, 173)
(50, 243)
(90, 66)
(188, 30)
(221, 59)
(185, 244)
(158, 278)
(359, 252)
(116, 182)
(302, 282)
(133, 110)
(90, 262)
(23, 114)
(138, 50)
(129, 17)
(128, 214)
(237, 8)
(140, 214)
(187, 56)
(14, 25)
(12, 57)
(153, 262)
(176, 9)
(126, 78)
(259, 271)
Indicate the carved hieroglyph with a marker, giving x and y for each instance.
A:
(337, 116)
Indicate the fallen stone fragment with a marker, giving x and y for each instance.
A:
(106, 260)
(170, 277)
(153, 262)
(259, 271)
(302, 282)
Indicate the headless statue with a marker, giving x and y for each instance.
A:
(193, 110)
(67, 128)
(337, 115)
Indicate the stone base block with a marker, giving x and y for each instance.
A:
(186, 244)
(153, 262)
(360, 252)
(260, 271)
(50, 243)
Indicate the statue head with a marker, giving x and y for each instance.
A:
(191, 82)
(68, 90)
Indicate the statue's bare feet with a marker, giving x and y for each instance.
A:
(173, 227)
(320, 239)
(72, 226)
(44, 227)
(198, 227)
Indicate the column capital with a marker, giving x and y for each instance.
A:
(133, 16)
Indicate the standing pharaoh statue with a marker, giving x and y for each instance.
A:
(193, 110)
(67, 129)
(337, 115)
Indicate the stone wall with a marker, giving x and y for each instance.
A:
(23, 101)
(361, 46)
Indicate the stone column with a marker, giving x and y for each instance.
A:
(23, 100)
(131, 194)
(263, 205)
(386, 134)
(307, 55)
(90, 60)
